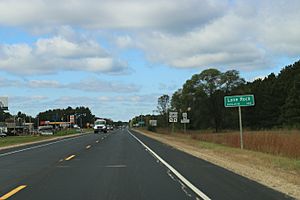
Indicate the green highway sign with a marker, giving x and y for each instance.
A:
(239, 100)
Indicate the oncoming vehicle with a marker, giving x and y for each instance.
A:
(100, 126)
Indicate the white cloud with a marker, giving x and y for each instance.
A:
(58, 53)
(113, 14)
(248, 35)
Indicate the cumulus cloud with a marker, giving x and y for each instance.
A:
(113, 14)
(59, 53)
(248, 35)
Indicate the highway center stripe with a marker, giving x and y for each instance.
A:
(179, 176)
(14, 191)
(70, 157)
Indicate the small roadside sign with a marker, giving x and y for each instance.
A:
(173, 117)
(153, 122)
(239, 100)
(185, 121)
(72, 119)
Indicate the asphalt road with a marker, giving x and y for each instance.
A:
(119, 165)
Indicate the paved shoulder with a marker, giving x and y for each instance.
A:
(215, 181)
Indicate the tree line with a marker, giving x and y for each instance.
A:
(277, 100)
(82, 115)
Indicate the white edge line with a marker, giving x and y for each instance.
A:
(181, 177)
(39, 146)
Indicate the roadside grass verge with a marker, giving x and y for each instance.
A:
(66, 132)
(285, 143)
(279, 143)
(14, 140)
(284, 163)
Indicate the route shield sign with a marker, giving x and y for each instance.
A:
(184, 120)
(173, 117)
(239, 100)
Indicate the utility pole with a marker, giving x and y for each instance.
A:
(15, 124)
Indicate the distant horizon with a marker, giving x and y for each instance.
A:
(150, 113)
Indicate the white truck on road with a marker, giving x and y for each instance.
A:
(100, 126)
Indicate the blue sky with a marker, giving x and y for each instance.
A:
(118, 57)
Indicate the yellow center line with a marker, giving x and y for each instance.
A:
(14, 191)
(70, 157)
(88, 146)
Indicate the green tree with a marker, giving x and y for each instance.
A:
(163, 105)
(291, 110)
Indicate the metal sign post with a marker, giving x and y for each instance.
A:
(173, 119)
(184, 121)
(239, 101)
(241, 127)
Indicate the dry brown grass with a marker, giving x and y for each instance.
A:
(283, 143)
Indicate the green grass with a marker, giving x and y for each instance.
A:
(66, 132)
(13, 140)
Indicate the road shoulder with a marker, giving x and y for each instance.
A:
(241, 163)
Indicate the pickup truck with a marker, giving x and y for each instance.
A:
(100, 126)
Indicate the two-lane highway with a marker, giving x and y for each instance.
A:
(119, 165)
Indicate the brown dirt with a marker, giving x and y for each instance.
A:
(253, 165)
